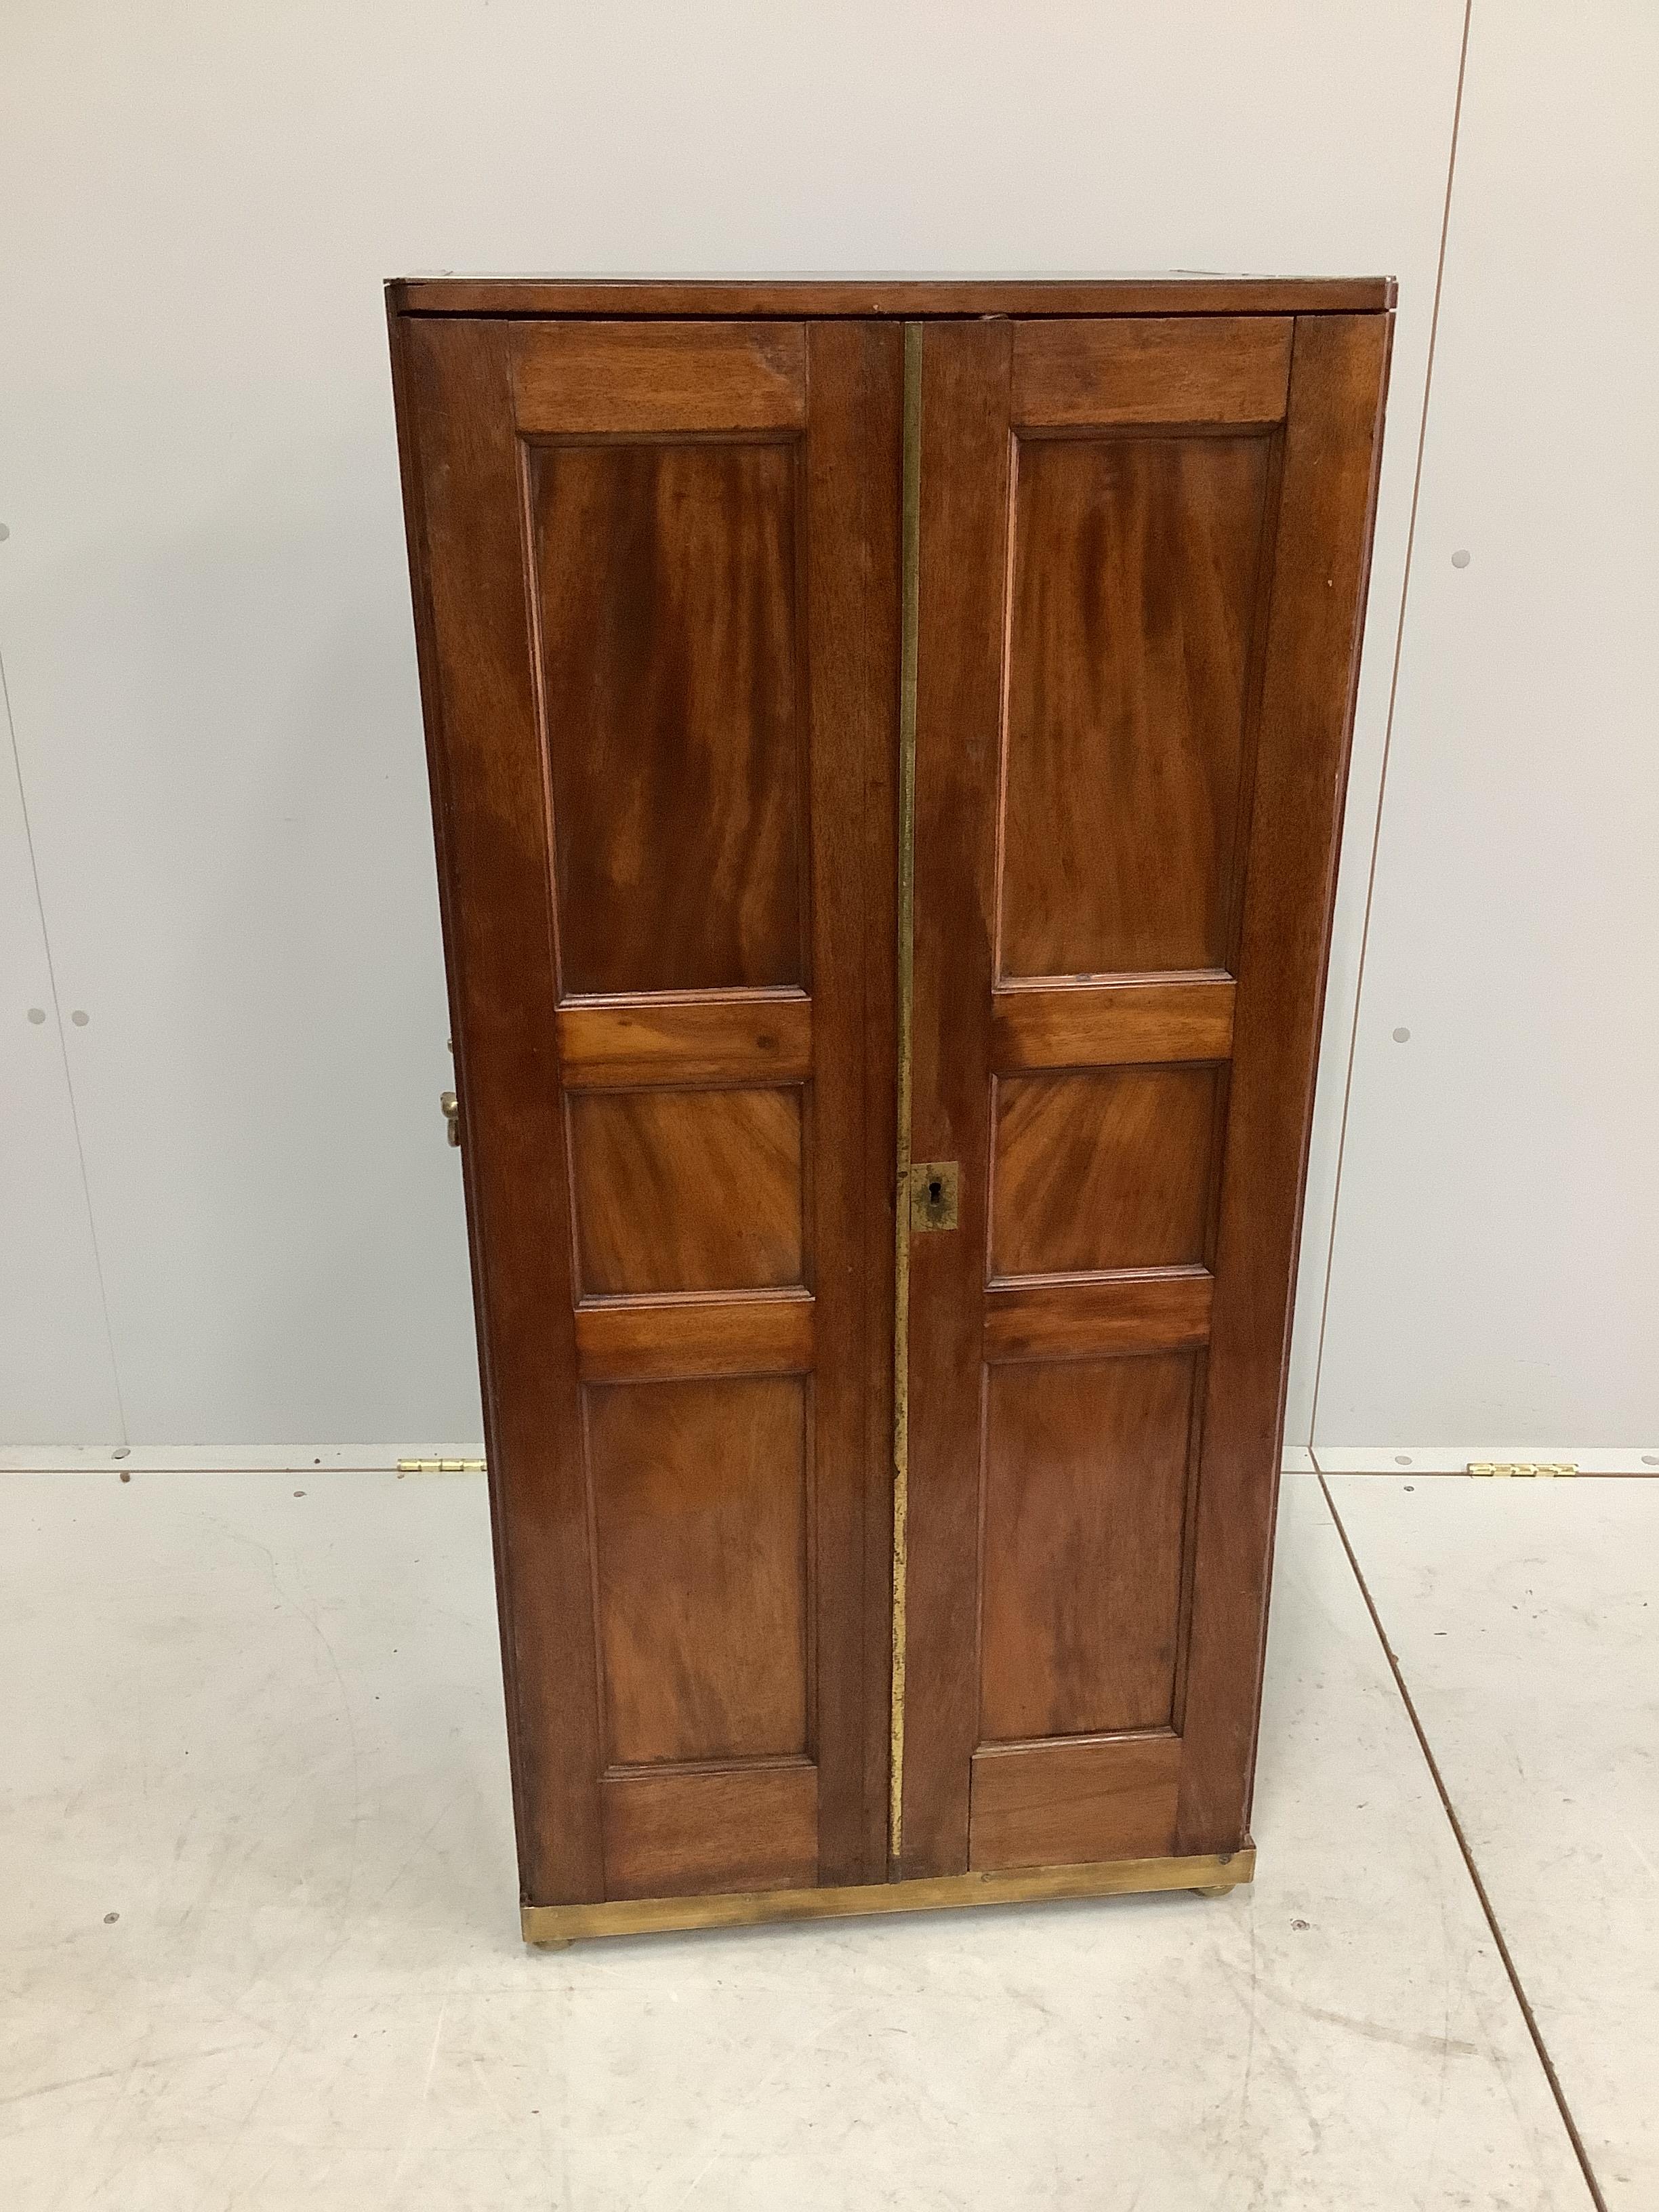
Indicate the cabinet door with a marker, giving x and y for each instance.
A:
(657, 570)
(1143, 549)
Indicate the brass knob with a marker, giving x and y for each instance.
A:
(451, 1106)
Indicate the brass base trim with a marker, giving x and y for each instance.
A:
(1210, 1873)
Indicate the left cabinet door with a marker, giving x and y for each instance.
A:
(656, 579)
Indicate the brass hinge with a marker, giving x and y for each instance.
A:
(451, 1105)
(441, 1467)
(1540, 1468)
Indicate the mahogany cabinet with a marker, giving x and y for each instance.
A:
(887, 745)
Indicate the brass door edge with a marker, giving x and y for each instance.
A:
(645, 1916)
(910, 579)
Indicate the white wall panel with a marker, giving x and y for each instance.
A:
(56, 1376)
(1499, 1210)
(204, 606)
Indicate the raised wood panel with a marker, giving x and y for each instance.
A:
(1103, 1170)
(571, 377)
(667, 583)
(687, 1190)
(755, 1038)
(700, 1524)
(1080, 1315)
(1136, 591)
(723, 1829)
(1086, 1485)
(1233, 369)
(1094, 1024)
(669, 1338)
(1054, 1804)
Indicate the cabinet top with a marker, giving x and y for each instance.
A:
(1181, 292)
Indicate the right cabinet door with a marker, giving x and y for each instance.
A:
(1143, 547)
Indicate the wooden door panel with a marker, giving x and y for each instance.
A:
(678, 1338)
(1135, 598)
(575, 376)
(1095, 1025)
(688, 1190)
(712, 1829)
(1104, 1170)
(1067, 1803)
(1134, 687)
(667, 585)
(1079, 372)
(700, 1544)
(1085, 1494)
(753, 1037)
(1070, 1316)
(657, 568)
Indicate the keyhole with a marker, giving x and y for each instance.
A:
(935, 1191)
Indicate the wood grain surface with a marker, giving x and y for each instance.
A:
(1093, 1024)
(875, 297)
(700, 1516)
(1035, 1804)
(654, 538)
(1101, 1170)
(1150, 369)
(666, 579)
(1133, 610)
(1332, 450)
(687, 1190)
(570, 378)
(1085, 1483)
(1121, 715)
(656, 591)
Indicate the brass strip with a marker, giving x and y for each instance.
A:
(910, 562)
(1208, 1872)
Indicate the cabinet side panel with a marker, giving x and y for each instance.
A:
(489, 804)
(1320, 566)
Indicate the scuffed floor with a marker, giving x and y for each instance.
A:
(258, 1922)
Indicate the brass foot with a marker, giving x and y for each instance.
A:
(1221, 1889)
(552, 1943)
